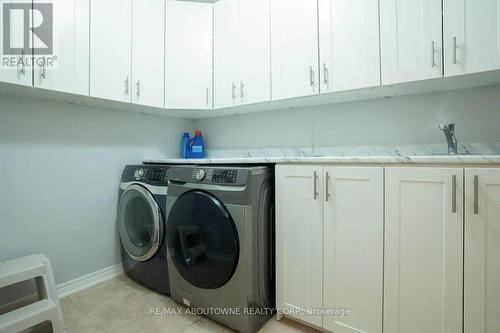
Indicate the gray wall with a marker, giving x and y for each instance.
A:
(397, 120)
(60, 167)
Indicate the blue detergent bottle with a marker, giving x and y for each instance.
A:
(185, 145)
(197, 146)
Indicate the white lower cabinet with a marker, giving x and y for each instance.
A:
(408, 274)
(423, 268)
(299, 239)
(330, 246)
(482, 250)
(353, 248)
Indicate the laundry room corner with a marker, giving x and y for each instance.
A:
(61, 166)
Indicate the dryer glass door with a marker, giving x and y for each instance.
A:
(202, 240)
(139, 223)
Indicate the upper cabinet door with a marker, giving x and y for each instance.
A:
(353, 248)
(110, 49)
(188, 56)
(18, 70)
(423, 279)
(299, 246)
(349, 44)
(68, 71)
(294, 48)
(471, 36)
(482, 246)
(411, 38)
(255, 50)
(226, 53)
(148, 52)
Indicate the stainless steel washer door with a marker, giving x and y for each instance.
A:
(140, 223)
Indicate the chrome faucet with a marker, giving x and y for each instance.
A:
(449, 132)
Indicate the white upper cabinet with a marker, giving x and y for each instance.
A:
(349, 44)
(255, 51)
(299, 246)
(226, 53)
(353, 248)
(423, 268)
(188, 55)
(482, 247)
(69, 72)
(110, 49)
(471, 36)
(411, 38)
(148, 52)
(20, 71)
(294, 48)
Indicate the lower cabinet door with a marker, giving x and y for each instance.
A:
(482, 249)
(299, 242)
(353, 249)
(423, 271)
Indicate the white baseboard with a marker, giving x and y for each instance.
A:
(84, 282)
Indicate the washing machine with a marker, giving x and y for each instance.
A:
(220, 240)
(141, 225)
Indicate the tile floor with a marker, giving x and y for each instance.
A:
(121, 305)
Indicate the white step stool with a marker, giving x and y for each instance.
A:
(48, 309)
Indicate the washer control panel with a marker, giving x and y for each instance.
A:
(225, 176)
(212, 175)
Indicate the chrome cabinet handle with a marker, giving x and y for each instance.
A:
(311, 76)
(138, 88)
(42, 73)
(208, 98)
(476, 194)
(454, 51)
(23, 68)
(242, 91)
(327, 190)
(454, 194)
(315, 180)
(233, 87)
(433, 54)
(127, 87)
(325, 74)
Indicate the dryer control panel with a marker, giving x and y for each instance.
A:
(152, 175)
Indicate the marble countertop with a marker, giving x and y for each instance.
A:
(482, 153)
